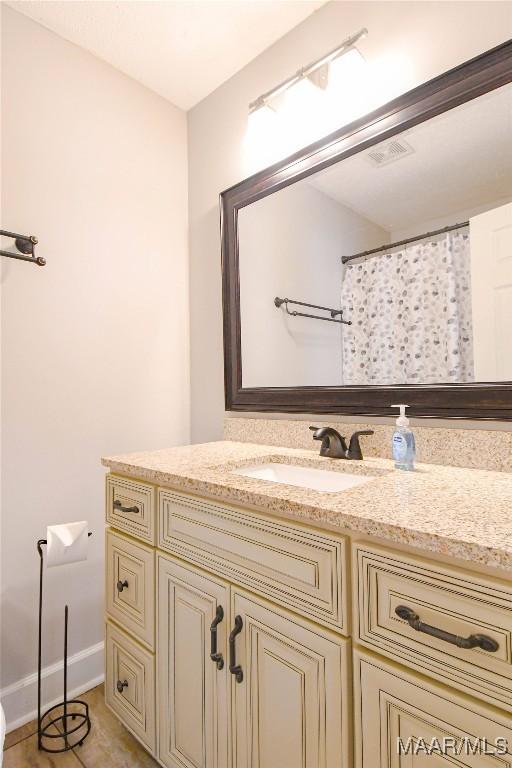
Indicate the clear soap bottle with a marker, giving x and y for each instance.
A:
(403, 444)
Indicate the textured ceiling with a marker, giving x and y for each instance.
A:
(462, 161)
(182, 49)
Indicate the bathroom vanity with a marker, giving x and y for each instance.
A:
(272, 608)
(255, 623)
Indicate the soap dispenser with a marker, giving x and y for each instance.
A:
(403, 445)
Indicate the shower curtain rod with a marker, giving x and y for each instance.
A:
(389, 246)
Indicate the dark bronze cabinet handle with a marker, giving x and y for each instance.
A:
(473, 641)
(131, 510)
(121, 585)
(235, 668)
(121, 685)
(214, 656)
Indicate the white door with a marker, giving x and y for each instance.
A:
(193, 700)
(491, 288)
(291, 700)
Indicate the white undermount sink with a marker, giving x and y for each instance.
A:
(303, 477)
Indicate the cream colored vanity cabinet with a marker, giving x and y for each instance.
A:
(131, 507)
(403, 721)
(252, 669)
(228, 643)
(130, 684)
(291, 564)
(292, 700)
(194, 690)
(130, 606)
(130, 592)
(455, 628)
(465, 637)
(275, 692)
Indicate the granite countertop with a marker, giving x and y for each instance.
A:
(462, 513)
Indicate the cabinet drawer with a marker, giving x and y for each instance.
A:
(458, 603)
(399, 717)
(130, 507)
(130, 591)
(130, 685)
(287, 562)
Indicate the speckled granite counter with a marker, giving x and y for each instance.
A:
(462, 513)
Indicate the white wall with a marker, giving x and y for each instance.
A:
(290, 245)
(429, 225)
(95, 346)
(427, 37)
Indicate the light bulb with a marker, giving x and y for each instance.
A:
(301, 113)
(262, 119)
(347, 95)
(262, 145)
(348, 70)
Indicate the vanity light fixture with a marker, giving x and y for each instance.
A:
(263, 117)
(315, 74)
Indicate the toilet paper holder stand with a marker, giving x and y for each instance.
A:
(67, 736)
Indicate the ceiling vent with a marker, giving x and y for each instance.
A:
(387, 153)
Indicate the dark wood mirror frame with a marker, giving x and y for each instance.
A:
(481, 401)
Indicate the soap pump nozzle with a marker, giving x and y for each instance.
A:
(402, 420)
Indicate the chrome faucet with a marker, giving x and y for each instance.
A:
(334, 445)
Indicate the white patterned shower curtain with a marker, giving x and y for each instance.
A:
(411, 315)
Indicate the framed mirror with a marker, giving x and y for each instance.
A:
(375, 266)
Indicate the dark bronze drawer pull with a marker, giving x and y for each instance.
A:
(214, 656)
(121, 585)
(473, 641)
(131, 510)
(235, 668)
(121, 685)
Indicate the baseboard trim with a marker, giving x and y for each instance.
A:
(85, 671)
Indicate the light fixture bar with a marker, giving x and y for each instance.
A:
(307, 70)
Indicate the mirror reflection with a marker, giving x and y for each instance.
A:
(391, 267)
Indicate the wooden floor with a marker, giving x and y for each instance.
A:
(108, 745)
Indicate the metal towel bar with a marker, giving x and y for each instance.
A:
(333, 312)
(26, 246)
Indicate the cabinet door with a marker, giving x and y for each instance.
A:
(403, 721)
(193, 700)
(291, 708)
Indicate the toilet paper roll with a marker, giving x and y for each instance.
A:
(67, 543)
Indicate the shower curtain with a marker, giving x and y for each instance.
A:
(411, 315)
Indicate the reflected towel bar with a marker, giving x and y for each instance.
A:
(333, 312)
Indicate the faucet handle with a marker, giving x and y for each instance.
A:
(355, 447)
(320, 435)
(333, 444)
